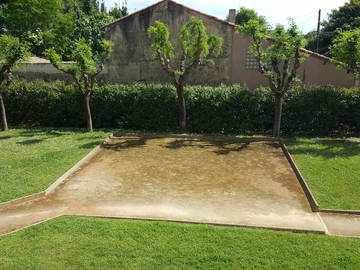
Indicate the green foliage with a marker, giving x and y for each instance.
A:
(25, 16)
(197, 48)
(161, 45)
(345, 18)
(12, 51)
(85, 66)
(119, 10)
(309, 110)
(195, 43)
(244, 15)
(346, 49)
(277, 51)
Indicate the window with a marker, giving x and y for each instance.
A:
(250, 61)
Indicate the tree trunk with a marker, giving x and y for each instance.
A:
(279, 99)
(3, 114)
(89, 125)
(357, 82)
(182, 108)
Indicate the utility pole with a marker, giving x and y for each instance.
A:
(318, 32)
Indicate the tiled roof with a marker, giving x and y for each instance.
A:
(35, 60)
(311, 53)
(185, 7)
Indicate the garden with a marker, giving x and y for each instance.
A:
(50, 126)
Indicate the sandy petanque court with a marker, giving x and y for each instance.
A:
(212, 180)
(179, 178)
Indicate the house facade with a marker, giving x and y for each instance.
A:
(131, 58)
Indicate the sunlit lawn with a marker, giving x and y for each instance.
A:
(331, 166)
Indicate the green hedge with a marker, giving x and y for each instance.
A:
(307, 111)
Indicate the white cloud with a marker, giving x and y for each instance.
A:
(305, 12)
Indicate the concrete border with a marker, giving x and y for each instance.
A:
(341, 212)
(32, 225)
(56, 184)
(309, 195)
(75, 168)
(322, 232)
(22, 200)
(311, 199)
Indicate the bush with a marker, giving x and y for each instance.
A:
(310, 110)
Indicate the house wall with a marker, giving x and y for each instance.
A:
(314, 70)
(131, 58)
(40, 71)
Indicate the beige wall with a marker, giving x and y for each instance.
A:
(131, 59)
(40, 71)
(314, 70)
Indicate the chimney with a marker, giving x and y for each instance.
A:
(232, 15)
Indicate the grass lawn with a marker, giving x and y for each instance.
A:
(89, 243)
(331, 166)
(32, 159)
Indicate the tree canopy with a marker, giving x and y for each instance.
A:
(12, 51)
(25, 16)
(85, 67)
(278, 54)
(197, 49)
(345, 18)
(346, 49)
(57, 23)
(244, 15)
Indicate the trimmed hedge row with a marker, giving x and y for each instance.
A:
(308, 111)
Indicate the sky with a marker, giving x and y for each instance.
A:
(304, 12)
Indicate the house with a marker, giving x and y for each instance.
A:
(131, 58)
(39, 68)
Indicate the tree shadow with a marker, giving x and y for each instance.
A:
(325, 148)
(223, 147)
(125, 144)
(40, 132)
(90, 145)
(29, 142)
(5, 137)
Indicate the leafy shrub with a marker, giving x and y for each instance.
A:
(310, 110)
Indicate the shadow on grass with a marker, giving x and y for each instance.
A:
(128, 143)
(40, 132)
(325, 148)
(5, 137)
(28, 142)
(90, 145)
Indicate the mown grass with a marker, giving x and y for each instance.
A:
(89, 243)
(331, 166)
(32, 159)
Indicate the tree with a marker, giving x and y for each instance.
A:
(345, 18)
(119, 11)
(86, 66)
(11, 52)
(346, 50)
(279, 57)
(244, 15)
(24, 16)
(197, 48)
(72, 27)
